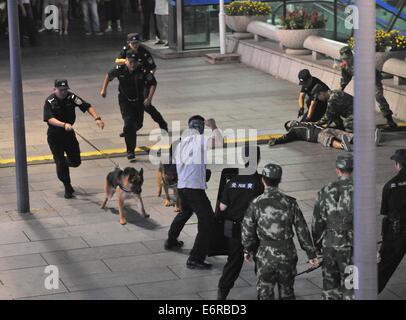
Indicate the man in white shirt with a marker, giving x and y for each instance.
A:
(190, 157)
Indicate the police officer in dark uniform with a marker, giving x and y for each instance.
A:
(393, 209)
(144, 56)
(237, 195)
(133, 97)
(59, 113)
(148, 64)
(315, 108)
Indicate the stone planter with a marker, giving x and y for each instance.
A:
(240, 23)
(381, 57)
(294, 39)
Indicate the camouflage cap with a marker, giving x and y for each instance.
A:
(272, 171)
(346, 52)
(345, 162)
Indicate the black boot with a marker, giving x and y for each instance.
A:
(173, 244)
(392, 124)
(68, 191)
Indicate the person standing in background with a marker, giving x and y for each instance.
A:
(90, 12)
(147, 8)
(63, 7)
(162, 16)
(27, 25)
(113, 11)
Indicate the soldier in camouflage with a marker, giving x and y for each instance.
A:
(267, 236)
(347, 72)
(332, 230)
(339, 109)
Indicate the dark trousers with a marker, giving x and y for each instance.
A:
(194, 200)
(232, 268)
(113, 10)
(380, 98)
(61, 143)
(148, 8)
(27, 26)
(132, 113)
(392, 252)
(157, 117)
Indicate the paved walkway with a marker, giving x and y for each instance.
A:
(97, 257)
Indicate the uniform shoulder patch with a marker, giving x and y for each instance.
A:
(78, 101)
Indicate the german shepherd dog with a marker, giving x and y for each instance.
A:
(126, 183)
(167, 178)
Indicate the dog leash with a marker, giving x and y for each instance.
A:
(98, 150)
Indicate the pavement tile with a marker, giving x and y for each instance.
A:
(116, 293)
(150, 276)
(41, 246)
(179, 286)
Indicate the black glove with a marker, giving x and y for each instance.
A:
(208, 175)
(300, 113)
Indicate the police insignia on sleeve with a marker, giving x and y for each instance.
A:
(78, 101)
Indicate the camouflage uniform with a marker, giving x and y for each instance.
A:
(332, 231)
(267, 232)
(340, 105)
(326, 136)
(347, 74)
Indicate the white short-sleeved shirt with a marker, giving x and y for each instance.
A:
(190, 157)
(162, 7)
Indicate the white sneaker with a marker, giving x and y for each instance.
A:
(119, 29)
(65, 33)
(99, 33)
(88, 34)
(109, 29)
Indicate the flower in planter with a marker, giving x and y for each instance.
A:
(300, 19)
(248, 8)
(386, 41)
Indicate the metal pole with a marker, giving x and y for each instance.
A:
(365, 225)
(335, 19)
(179, 25)
(23, 201)
(222, 28)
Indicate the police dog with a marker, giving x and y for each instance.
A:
(167, 178)
(126, 183)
